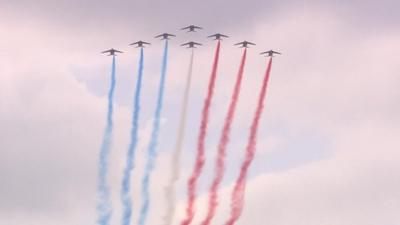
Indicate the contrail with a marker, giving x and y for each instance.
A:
(130, 160)
(176, 156)
(104, 208)
(152, 148)
(223, 142)
(237, 197)
(200, 157)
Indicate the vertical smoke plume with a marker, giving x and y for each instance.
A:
(176, 155)
(224, 140)
(152, 148)
(237, 197)
(200, 157)
(104, 208)
(130, 158)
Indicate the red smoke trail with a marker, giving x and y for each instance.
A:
(200, 158)
(220, 164)
(237, 196)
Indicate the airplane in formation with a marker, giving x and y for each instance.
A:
(270, 53)
(140, 44)
(165, 36)
(112, 52)
(218, 36)
(192, 28)
(191, 44)
(244, 44)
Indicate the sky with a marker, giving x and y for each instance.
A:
(328, 142)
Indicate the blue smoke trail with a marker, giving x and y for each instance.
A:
(125, 193)
(104, 205)
(152, 153)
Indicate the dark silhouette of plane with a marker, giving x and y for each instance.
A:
(270, 53)
(218, 36)
(165, 36)
(140, 44)
(191, 44)
(192, 28)
(244, 44)
(111, 51)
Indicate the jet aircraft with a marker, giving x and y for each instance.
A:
(192, 28)
(140, 44)
(218, 36)
(165, 36)
(191, 44)
(244, 44)
(270, 53)
(111, 51)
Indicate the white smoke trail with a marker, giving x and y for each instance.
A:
(176, 156)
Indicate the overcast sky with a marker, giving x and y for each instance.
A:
(328, 144)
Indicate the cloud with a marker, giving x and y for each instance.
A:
(333, 90)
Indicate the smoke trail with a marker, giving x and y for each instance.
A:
(104, 208)
(237, 197)
(176, 157)
(200, 158)
(220, 164)
(151, 150)
(130, 160)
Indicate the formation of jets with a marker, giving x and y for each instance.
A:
(191, 44)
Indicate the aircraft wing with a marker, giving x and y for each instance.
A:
(185, 28)
(107, 51)
(276, 52)
(118, 51)
(250, 43)
(240, 43)
(197, 27)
